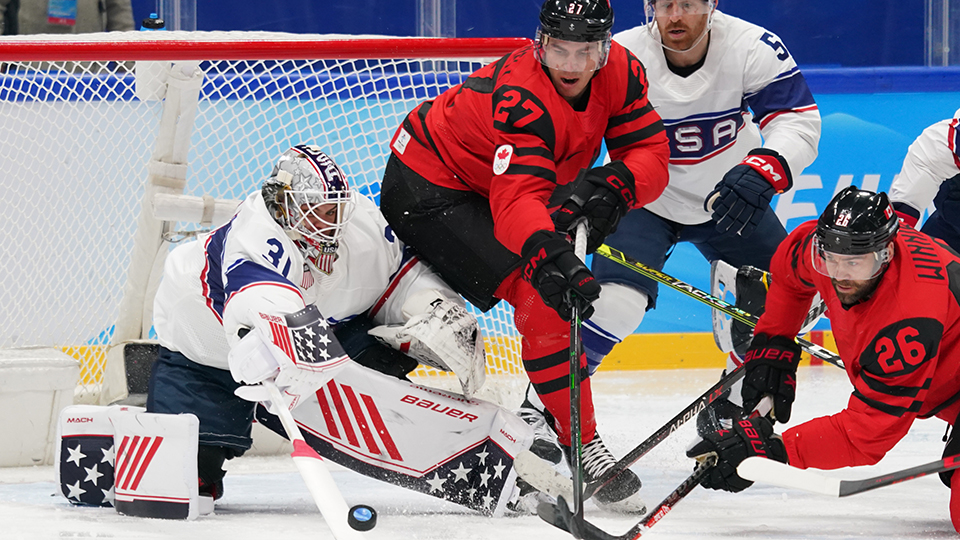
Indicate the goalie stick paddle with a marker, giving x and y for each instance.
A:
(544, 477)
(712, 301)
(315, 473)
(560, 516)
(778, 474)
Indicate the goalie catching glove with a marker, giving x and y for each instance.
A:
(602, 198)
(748, 437)
(441, 334)
(298, 351)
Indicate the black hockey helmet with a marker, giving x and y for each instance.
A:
(576, 20)
(857, 221)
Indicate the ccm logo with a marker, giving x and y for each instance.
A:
(79, 420)
(762, 164)
(436, 407)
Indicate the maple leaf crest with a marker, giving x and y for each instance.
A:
(503, 153)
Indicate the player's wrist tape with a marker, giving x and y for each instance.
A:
(771, 165)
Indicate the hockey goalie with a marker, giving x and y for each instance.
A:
(306, 286)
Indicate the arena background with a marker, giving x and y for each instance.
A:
(864, 61)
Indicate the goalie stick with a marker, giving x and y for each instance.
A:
(314, 472)
(772, 472)
(712, 301)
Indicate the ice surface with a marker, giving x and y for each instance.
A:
(265, 497)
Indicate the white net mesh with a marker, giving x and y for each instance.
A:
(75, 142)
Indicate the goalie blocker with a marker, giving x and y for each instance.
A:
(377, 426)
(143, 464)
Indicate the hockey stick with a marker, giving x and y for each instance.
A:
(712, 301)
(772, 472)
(542, 475)
(315, 474)
(561, 517)
(576, 439)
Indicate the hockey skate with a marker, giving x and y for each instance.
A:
(620, 494)
(545, 445)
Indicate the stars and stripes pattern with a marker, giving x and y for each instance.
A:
(475, 479)
(306, 338)
(87, 469)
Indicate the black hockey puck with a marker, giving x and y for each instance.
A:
(362, 518)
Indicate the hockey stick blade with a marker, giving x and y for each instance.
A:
(771, 472)
(545, 478)
(621, 258)
(559, 515)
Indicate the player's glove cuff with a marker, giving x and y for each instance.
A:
(772, 167)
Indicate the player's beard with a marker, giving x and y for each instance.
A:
(849, 292)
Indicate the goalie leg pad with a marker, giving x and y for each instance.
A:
(376, 425)
(85, 454)
(156, 465)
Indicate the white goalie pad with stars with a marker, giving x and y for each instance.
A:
(442, 334)
(85, 453)
(435, 442)
(141, 463)
(723, 279)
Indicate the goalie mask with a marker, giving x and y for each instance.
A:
(309, 197)
(574, 35)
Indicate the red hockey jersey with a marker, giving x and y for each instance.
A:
(901, 347)
(507, 134)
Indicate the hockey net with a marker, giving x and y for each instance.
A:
(98, 131)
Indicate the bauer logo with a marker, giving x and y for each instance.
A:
(400, 145)
(501, 159)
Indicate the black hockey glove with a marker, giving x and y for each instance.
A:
(743, 195)
(603, 196)
(558, 274)
(771, 368)
(749, 437)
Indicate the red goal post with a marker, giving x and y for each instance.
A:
(116, 145)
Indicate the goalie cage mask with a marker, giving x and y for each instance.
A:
(310, 197)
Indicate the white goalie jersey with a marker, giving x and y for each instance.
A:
(932, 158)
(748, 85)
(217, 284)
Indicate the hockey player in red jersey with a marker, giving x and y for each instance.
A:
(893, 298)
(470, 185)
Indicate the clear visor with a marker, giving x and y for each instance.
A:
(571, 56)
(319, 217)
(676, 8)
(848, 267)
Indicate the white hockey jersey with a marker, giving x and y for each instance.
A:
(706, 114)
(932, 158)
(213, 286)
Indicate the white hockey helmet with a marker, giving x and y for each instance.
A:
(309, 195)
